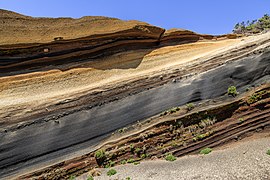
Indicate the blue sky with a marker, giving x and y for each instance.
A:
(203, 16)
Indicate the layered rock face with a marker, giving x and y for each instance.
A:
(28, 44)
(67, 84)
(44, 42)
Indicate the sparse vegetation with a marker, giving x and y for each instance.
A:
(72, 177)
(90, 178)
(241, 120)
(256, 97)
(143, 156)
(206, 151)
(190, 106)
(123, 162)
(170, 111)
(207, 122)
(100, 156)
(170, 157)
(130, 161)
(111, 172)
(136, 163)
(254, 26)
(122, 130)
(173, 110)
(203, 136)
(110, 164)
(232, 91)
(163, 113)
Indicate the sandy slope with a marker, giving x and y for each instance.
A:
(245, 160)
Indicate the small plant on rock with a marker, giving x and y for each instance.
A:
(268, 152)
(72, 177)
(110, 164)
(143, 156)
(232, 91)
(170, 157)
(241, 120)
(100, 156)
(122, 130)
(111, 172)
(206, 151)
(123, 162)
(130, 161)
(256, 97)
(90, 178)
(190, 106)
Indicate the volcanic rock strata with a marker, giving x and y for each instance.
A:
(179, 133)
(64, 92)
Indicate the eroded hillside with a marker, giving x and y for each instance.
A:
(67, 84)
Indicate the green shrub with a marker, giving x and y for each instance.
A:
(190, 106)
(170, 157)
(256, 97)
(136, 163)
(206, 151)
(241, 120)
(72, 177)
(203, 136)
(143, 156)
(122, 130)
(173, 110)
(110, 164)
(232, 91)
(130, 161)
(99, 154)
(128, 178)
(123, 162)
(268, 152)
(111, 172)
(90, 178)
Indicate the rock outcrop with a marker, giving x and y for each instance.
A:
(28, 43)
(67, 84)
(179, 36)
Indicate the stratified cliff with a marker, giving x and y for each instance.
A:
(67, 84)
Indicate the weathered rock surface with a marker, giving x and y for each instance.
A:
(179, 35)
(20, 29)
(61, 97)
